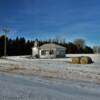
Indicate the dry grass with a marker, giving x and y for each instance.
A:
(11, 68)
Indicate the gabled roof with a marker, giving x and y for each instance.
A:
(50, 46)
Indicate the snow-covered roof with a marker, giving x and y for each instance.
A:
(50, 46)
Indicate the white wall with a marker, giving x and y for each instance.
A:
(35, 51)
(59, 52)
(47, 55)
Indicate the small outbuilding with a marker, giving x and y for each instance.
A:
(52, 50)
(35, 50)
(49, 50)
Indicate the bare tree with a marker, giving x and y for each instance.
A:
(96, 49)
(80, 43)
(59, 39)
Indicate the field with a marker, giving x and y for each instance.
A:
(23, 78)
(53, 68)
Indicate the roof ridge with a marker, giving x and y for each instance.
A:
(51, 45)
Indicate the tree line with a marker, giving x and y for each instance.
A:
(20, 46)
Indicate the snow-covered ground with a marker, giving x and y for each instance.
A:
(19, 87)
(53, 68)
(23, 78)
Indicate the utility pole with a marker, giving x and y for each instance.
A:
(5, 30)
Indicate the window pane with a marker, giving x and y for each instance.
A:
(51, 52)
(43, 52)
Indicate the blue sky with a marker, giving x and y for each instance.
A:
(43, 19)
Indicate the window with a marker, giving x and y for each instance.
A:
(43, 52)
(51, 52)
